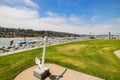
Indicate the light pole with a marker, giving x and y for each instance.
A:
(44, 51)
(109, 35)
(42, 71)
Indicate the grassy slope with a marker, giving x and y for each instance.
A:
(94, 57)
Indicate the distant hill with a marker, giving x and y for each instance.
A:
(13, 32)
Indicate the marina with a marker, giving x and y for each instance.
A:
(13, 45)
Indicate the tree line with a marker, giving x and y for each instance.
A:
(14, 32)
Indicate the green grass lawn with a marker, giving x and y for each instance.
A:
(94, 57)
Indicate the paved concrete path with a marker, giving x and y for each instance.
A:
(117, 53)
(57, 73)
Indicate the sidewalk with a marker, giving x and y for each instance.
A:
(117, 53)
(57, 73)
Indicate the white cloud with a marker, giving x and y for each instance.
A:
(75, 20)
(20, 3)
(51, 14)
(18, 17)
(22, 17)
(30, 3)
(93, 18)
(15, 13)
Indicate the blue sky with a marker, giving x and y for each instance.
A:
(105, 9)
(74, 16)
